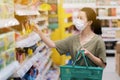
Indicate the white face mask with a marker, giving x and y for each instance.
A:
(79, 24)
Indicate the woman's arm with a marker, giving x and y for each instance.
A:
(95, 59)
(46, 40)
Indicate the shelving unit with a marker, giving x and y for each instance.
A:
(23, 10)
(32, 14)
(108, 17)
(30, 40)
(27, 64)
(78, 5)
(8, 22)
(47, 68)
(9, 70)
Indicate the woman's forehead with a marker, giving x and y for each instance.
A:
(82, 13)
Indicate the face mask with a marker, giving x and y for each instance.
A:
(79, 24)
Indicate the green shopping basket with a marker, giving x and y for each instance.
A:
(74, 72)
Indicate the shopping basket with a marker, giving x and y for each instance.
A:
(74, 72)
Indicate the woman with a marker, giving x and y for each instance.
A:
(86, 40)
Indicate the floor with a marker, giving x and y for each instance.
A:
(109, 72)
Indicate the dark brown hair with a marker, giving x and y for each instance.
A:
(91, 16)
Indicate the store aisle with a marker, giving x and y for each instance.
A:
(109, 72)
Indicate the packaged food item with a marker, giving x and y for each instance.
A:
(2, 62)
(2, 43)
(20, 54)
(9, 56)
(10, 10)
(10, 40)
(3, 11)
(6, 9)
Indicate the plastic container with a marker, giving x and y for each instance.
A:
(73, 72)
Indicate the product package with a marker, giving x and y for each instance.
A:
(3, 11)
(2, 62)
(10, 40)
(2, 43)
(6, 9)
(9, 56)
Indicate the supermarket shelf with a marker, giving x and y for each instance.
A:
(29, 41)
(110, 28)
(8, 22)
(109, 6)
(110, 51)
(40, 77)
(78, 5)
(43, 64)
(47, 68)
(111, 39)
(45, 61)
(53, 15)
(108, 17)
(24, 12)
(40, 47)
(92, 5)
(39, 19)
(27, 65)
(9, 70)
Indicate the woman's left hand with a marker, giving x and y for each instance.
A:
(87, 53)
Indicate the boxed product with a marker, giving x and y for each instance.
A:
(118, 47)
(3, 11)
(2, 61)
(2, 43)
(118, 34)
(10, 10)
(10, 40)
(9, 56)
(117, 63)
(6, 9)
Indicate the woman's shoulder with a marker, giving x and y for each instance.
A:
(99, 38)
(73, 37)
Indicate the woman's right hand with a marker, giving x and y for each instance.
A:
(36, 28)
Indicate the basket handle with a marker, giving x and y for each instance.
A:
(83, 55)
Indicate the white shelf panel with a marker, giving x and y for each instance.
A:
(44, 61)
(40, 77)
(21, 71)
(110, 51)
(47, 68)
(111, 39)
(109, 6)
(23, 12)
(9, 70)
(110, 29)
(40, 47)
(8, 22)
(29, 41)
(108, 17)
(92, 5)
(78, 5)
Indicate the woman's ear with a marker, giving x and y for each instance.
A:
(90, 22)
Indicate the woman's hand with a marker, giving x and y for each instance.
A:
(36, 28)
(87, 53)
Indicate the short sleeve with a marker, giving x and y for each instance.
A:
(101, 51)
(62, 46)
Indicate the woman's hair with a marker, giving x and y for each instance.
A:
(91, 16)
